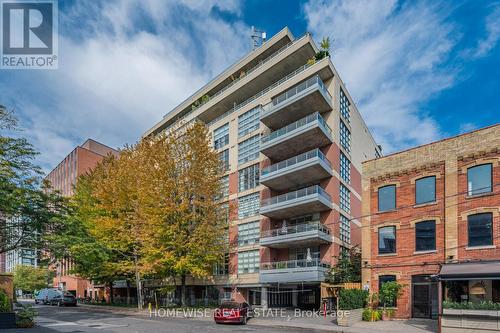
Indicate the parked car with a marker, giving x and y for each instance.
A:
(46, 295)
(232, 312)
(66, 299)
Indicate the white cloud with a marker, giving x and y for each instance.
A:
(492, 27)
(123, 65)
(393, 58)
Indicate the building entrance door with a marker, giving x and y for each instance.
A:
(424, 297)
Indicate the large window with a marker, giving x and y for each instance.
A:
(387, 240)
(425, 236)
(383, 279)
(345, 229)
(221, 136)
(480, 229)
(225, 186)
(345, 168)
(224, 158)
(248, 262)
(425, 190)
(479, 179)
(248, 205)
(248, 150)
(222, 268)
(248, 178)
(345, 137)
(345, 198)
(344, 106)
(248, 233)
(249, 121)
(387, 198)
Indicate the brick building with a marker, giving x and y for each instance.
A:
(431, 214)
(292, 141)
(62, 178)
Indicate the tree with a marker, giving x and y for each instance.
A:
(30, 278)
(27, 208)
(347, 268)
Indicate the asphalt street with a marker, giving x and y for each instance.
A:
(52, 319)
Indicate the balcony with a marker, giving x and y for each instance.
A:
(304, 134)
(306, 97)
(293, 271)
(311, 233)
(311, 199)
(297, 171)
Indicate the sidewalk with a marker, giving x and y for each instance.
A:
(287, 319)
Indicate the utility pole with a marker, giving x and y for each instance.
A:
(138, 281)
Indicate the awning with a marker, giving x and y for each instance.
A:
(471, 270)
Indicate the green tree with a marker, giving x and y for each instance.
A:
(30, 278)
(347, 268)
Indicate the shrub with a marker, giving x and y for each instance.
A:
(4, 302)
(25, 316)
(485, 305)
(371, 315)
(350, 299)
(389, 292)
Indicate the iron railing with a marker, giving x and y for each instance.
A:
(295, 229)
(294, 160)
(291, 264)
(293, 126)
(315, 189)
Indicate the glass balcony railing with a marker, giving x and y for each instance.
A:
(294, 160)
(297, 89)
(293, 126)
(291, 264)
(295, 229)
(315, 189)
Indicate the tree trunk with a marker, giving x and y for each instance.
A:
(111, 297)
(138, 283)
(128, 292)
(183, 290)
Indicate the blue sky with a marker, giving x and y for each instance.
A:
(418, 70)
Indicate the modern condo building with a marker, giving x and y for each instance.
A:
(431, 222)
(292, 142)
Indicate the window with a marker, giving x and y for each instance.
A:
(248, 178)
(345, 229)
(425, 190)
(249, 121)
(248, 205)
(224, 186)
(345, 137)
(345, 200)
(224, 157)
(248, 150)
(345, 168)
(221, 136)
(425, 236)
(222, 268)
(387, 240)
(480, 229)
(383, 279)
(248, 262)
(479, 179)
(344, 106)
(387, 198)
(248, 233)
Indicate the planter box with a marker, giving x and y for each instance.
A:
(349, 317)
(7, 320)
(458, 321)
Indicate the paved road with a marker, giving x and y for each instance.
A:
(94, 320)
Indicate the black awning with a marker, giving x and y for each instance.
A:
(470, 270)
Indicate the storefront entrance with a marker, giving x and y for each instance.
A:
(424, 297)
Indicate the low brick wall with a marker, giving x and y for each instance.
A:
(467, 321)
(7, 284)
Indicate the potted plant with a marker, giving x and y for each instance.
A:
(388, 294)
(25, 316)
(372, 313)
(351, 303)
(7, 316)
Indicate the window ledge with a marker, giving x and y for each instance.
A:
(387, 211)
(484, 247)
(425, 252)
(387, 254)
(432, 203)
(473, 196)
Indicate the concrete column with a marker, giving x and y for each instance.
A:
(263, 297)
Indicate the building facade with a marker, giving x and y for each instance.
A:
(292, 142)
(431, 216)
(62, 178)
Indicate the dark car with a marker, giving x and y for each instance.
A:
(232, 312)
(64, 300)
